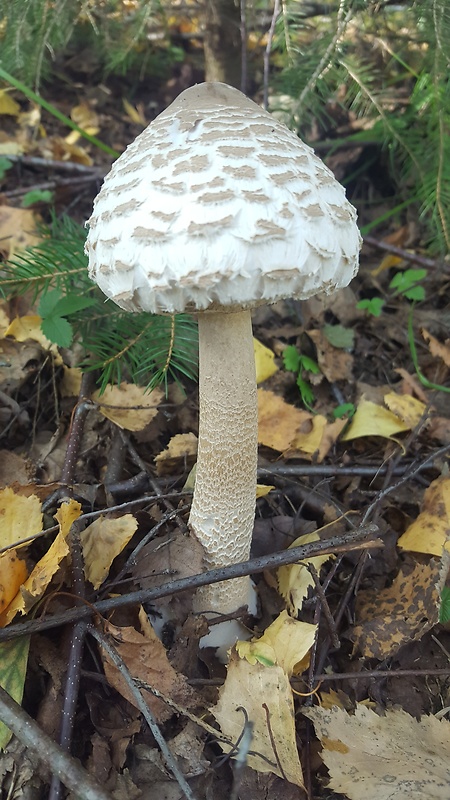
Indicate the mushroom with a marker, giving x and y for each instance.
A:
(214, 209)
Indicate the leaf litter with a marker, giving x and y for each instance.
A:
(389, 621)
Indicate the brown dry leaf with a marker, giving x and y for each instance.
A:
(86, 118)
(101, 542)
(266, 696)
(334, 363)
(145, 657)
(294, 580)
(36, 584)
(436, 348)
(180, 454)
(15, 469)
(129, 406)
(430, 532)
(388, 619)
(285, 642)
(279, 422)
(370, 757)
(371, 419)
(136, 114)
(407, 408)
(17, 361)
(70, 384)
(57, 149)
(17, 230)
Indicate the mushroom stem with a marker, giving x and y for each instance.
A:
(223, 507)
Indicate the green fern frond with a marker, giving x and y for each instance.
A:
(147, 348)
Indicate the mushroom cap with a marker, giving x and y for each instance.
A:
(218, 205)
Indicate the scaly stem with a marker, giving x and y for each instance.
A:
(223, 507)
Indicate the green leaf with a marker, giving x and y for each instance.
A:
(58, 330)
(291, 358)
(372, 306)
(5, 165)
(416, 293)
(71, 304)
(309, 364)
(37, 196)
(13, 669)
(403, 281)
(345, 409)
(48, 302)
(305, 391)
(444, 613)
(340, 337)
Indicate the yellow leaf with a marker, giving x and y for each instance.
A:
(133, 113)
(279, 423)
(71, 381)
(17, 229)
(371, 419)
(285, 642)
(180, 452)
(13, 572)
(7, 104)
(129, 406)
(34, 587)
(294, 580)
(264, 360)
(436, 348)
(28, 327)
(373, 757)
(13, 670)
(102, 541)
(21, 517)
(262, 491)
(430, 532)
(263, 696)
(406, 407)
(387, 262)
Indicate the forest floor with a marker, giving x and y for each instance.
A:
(366, 471)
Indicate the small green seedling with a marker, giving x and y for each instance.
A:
(298, 363)
(344, 410)
(374, 306)
(37, 196)
(54, 307)
(444, 613)
(407, 283)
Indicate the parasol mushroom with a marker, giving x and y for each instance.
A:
(214, 209)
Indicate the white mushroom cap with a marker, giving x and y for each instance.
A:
(217, 204)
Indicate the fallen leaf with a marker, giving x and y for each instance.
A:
(129, 406)
(407, 408)
(294, 580)
(180, 454)
(262, 490)
(318, 440)
(145, 657)
(13, 572)
(263, 696)
(135, 114)
(70, 384)
(430, 532)
(279, 422)
(13, 670)
(21, 517)
(371, 419)
(7, 104)
(101, 542)
(17, 230)
(285, 642)
(36, 584)
(29, 327)
(264, 361)
(372, 757)
(436, 348)
(389, 618)
(334, 363)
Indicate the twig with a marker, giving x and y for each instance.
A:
(60, 166)
(267, 51)
(387, 247)
(380, 673)
(331, 470)
(118, 662)
(67, 768)
(325, 607)
(243, 31)
(353, 540)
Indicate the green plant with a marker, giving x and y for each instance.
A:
(444, 613)
(37, 196)
(148, 349)
(5, 165)
(295, 362)
(406, 283)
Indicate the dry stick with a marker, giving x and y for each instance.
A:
(325, 607)
(428, 263)
(266, 60)
(243, 32)
(118, 662)
(353, 540)
(61, 166)
(30, 734)
(380, 673)
(330, 470)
